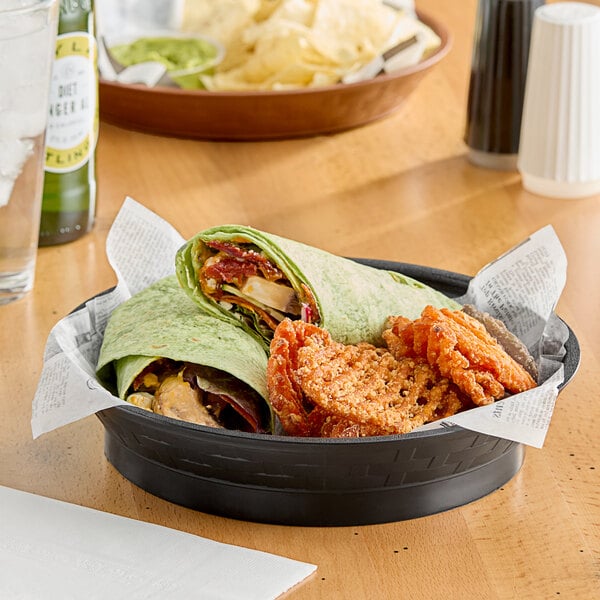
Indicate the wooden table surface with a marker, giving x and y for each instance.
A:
(399, 189)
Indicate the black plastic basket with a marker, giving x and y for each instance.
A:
(310, 481)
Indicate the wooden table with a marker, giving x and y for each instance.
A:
(399, 189)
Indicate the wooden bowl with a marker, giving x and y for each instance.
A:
(262, 115)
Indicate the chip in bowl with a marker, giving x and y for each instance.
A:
(289, 44)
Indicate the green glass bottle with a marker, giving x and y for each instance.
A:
(69, 201)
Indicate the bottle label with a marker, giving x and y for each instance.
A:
(73, 114)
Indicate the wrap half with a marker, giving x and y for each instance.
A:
(257, 279)
(161, 352)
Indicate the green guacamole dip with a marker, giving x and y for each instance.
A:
(177, 54)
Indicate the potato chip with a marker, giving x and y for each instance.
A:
(266, 9)
(362, 28)
(225, 21)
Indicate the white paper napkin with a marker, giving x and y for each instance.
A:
(53, 550)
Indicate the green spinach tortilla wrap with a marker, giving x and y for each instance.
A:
(257, 279)
(161, 352)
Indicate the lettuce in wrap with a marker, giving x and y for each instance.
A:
(162, 353)
(256, 279)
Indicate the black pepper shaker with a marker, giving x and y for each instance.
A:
(497, 83)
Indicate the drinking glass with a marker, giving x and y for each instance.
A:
(27, 43)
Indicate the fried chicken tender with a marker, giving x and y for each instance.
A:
(463, 351)
(321, 388)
